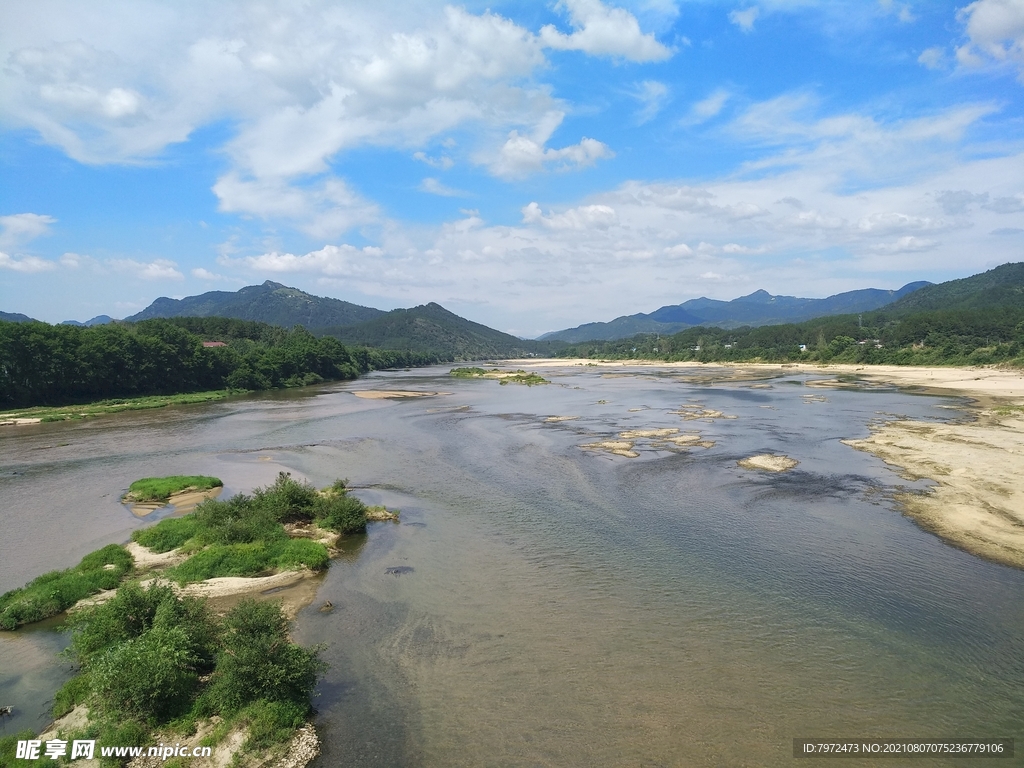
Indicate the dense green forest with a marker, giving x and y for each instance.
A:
(42, 364)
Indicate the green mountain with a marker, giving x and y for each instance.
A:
(430, 328)
(759, 308)
(999, 288)
(16, 317)
(268, 303)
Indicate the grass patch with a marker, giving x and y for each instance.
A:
(116, 405)
(504, 377)
(161, 488)
(245, 535)
(467, 373)
(57, 591)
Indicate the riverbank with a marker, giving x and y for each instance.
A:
(977, 501)
(45, 413)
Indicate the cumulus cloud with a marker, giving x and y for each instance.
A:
(158, 269)
(301, 85)
(25, 263)
(603, 31)
(522, 154)
(583, 217)
(745, 19)
(995, 34)
(330, 261)
(205, 274)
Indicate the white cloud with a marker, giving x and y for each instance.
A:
(707, 108)
(300, 84)
(583, 217)
(205, 274)
(435, 187)
(932, 57)
(158, 269)
(522, 155)
(652, 96)
(25, 263)
(330, 261)
(745, 19)
(443, 162)
(995, 32)
(18, 229)
(603, 31)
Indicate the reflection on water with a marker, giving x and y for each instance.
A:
(544, 605)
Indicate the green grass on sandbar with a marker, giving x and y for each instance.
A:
(57, 591)
(161, 488)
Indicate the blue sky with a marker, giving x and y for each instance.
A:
(529, 166)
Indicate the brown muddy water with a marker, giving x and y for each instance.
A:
(544, 605)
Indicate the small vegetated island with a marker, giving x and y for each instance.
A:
(504, 377)
(156, 663)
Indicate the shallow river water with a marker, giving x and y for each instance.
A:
(556, 606)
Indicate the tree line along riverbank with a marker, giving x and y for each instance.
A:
(52, 365)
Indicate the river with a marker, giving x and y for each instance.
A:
(557, 606)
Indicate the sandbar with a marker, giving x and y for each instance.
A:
(977, 502)
(770, 462)
(393, 394)
(183, 501)
(618, 447)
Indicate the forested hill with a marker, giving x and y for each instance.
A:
(268, 303)
(999, 288)
(974, 321)
(758, 308)
(43, 364)
(433, 330)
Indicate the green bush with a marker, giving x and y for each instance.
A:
(258, 662)
(150, 677)
(341, 512)
(296, 553)
(250, 559)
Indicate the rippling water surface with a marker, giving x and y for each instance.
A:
(540, 604)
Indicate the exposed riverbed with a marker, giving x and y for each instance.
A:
(546, 602)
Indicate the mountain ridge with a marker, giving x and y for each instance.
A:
(754, 309)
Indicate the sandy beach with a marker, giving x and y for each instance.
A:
(977, 500)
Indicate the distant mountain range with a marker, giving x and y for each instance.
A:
(268, 303)
(98, 320)
(429, 329)
(432, 328)
(999, 288)
(758, 308)
(16, 317)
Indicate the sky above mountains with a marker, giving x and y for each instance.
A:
(529, 166)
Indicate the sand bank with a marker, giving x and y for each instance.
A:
(393, 394)
(769, 462)
(183, 501)
(17, 422)
(977, 502)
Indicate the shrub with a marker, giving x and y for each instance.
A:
(341, 512)
(149, 677)
(258, 662)
(272, 722)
